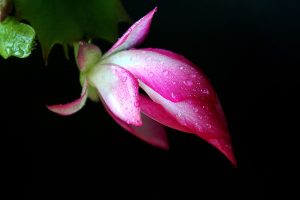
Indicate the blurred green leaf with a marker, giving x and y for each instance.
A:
(68, 21)
(16, 38)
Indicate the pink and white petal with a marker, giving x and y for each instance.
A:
(203, 118)
(119, 90)
(156, 112)
(169, 74)
(72, 107)
(151, 132)
(88, 55)
(134, 35)
(224, 145)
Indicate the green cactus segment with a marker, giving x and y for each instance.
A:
(16, 38)
(68, 21)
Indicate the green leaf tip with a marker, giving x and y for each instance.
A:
(16, 38)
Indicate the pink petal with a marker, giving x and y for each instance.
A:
(156, 112)
(167, 73)
(88, 55)
(203, 118)
(150, 132)
(73, 107)
(119, 90)
(134, 35)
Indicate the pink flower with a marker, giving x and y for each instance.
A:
(178, 94)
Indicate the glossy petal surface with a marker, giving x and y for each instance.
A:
(201, 117)
(119, 90)
(156, 112)
(167, 73)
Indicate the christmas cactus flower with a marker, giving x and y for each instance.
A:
(176, 92)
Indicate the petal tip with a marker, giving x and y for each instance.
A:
(163, 145)
(58, 109)
(225, 147)
(72, 107)
(134, 35)
(154, 10)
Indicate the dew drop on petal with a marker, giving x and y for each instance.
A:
(151, 74)
(173, 95)
(205, 91)
(198, 127)
(208, 125)
(188, 82)
(136, 104)
(195, 110)
(193, 75)
(205, 107)
(165, 72)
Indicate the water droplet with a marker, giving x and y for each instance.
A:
(193, 75)
(196, 110)
(136, 104)
(188, 82)
(128, 121)
(174, 82)
(205, 91)
(165, 72)
(205, 107)
(151, 74)
(208, 125)
(173, 95)
(198, 127)
(148, 58)
(124, 79)
(181, 67)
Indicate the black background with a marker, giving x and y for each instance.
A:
(250, 52)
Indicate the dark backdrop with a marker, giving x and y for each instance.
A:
(250, 52)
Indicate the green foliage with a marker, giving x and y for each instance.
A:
(68, 21)
(16, 38)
